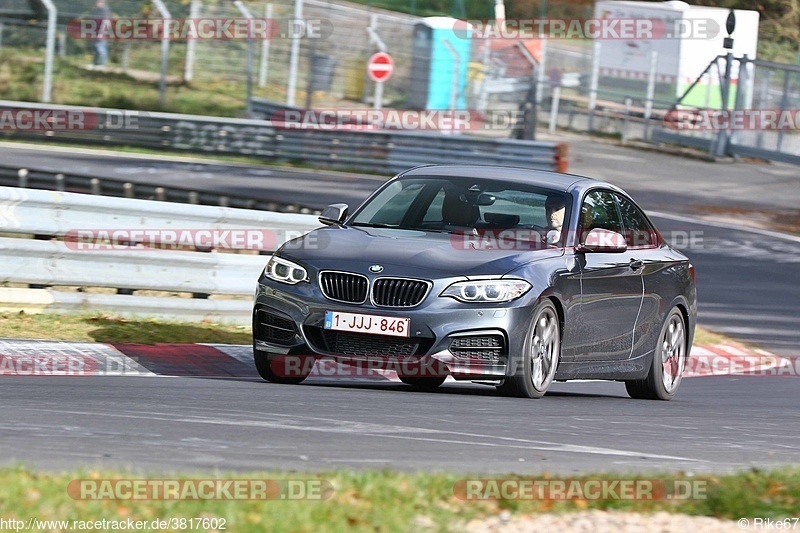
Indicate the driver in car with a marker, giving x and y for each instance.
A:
(554, 209)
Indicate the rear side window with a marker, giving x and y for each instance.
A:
(638, 232)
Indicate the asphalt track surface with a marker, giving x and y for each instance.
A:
(747, 287)
(198, 424)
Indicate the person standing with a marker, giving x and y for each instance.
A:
(101, 13)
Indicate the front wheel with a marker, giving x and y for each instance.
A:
(669, 361)
(540, 356)
(286, 369)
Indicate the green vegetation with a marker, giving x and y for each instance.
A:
(21, 73)
(379, 500)
(109, 328)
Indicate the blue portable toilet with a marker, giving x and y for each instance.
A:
(433, 64)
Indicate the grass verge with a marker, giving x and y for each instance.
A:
(111, 328)
(380, 500)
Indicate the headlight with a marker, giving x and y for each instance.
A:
(279, 269)
(492, 290)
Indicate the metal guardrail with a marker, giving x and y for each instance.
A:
(371, 151)
(50, 260)
(12, 176)
(53, 214)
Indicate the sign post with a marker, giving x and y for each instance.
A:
(379, 68)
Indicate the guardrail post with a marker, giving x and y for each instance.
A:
(126, 55)
(530, 108)
(262, 71)
(60, 186)
(739, 100)
(787, 76)
(540, 72)
(294, 54)
(191, 44)
(161, 194)
(456, 73)
(224, 201)
(722, 136)
(62, 44)
(593, 84)
(52, 13)
(651, 87)
(194, 197)
(554, 108)
(22, 174)
(626, 120)
(375, 39)
(571, 115)
(94, 185)
(162, 82)
(128, 190)
(249, 60)
(562, 157)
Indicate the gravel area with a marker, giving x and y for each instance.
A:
(602, 522)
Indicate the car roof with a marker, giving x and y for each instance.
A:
(528, 176)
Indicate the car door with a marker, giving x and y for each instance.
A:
(611, 287)
(644, 245)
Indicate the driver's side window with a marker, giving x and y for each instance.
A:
(599, 210)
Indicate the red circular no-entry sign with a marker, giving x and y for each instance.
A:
(380, 67)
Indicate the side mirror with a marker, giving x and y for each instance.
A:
(334, 214)
(601, 240)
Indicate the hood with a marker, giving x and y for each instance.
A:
(414, 253)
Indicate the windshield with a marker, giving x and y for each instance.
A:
(457, 205)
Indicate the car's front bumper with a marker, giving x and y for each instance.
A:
(440, 328)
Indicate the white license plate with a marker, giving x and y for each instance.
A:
(378, 325)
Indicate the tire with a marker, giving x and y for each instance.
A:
(540, 356)
(669, 361)
(266, 364)
(423, 383)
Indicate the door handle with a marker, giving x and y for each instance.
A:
(636, 264)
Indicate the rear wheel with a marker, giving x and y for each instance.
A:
(540, 356)
(286, 369)
(669, 361)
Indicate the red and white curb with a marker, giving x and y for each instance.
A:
(23, 357)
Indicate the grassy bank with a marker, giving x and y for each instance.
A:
(380, 500)
(111, 328)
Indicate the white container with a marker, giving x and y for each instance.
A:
(697, 35)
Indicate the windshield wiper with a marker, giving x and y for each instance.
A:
(374, 225)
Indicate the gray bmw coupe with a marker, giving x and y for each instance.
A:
(506, 276)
